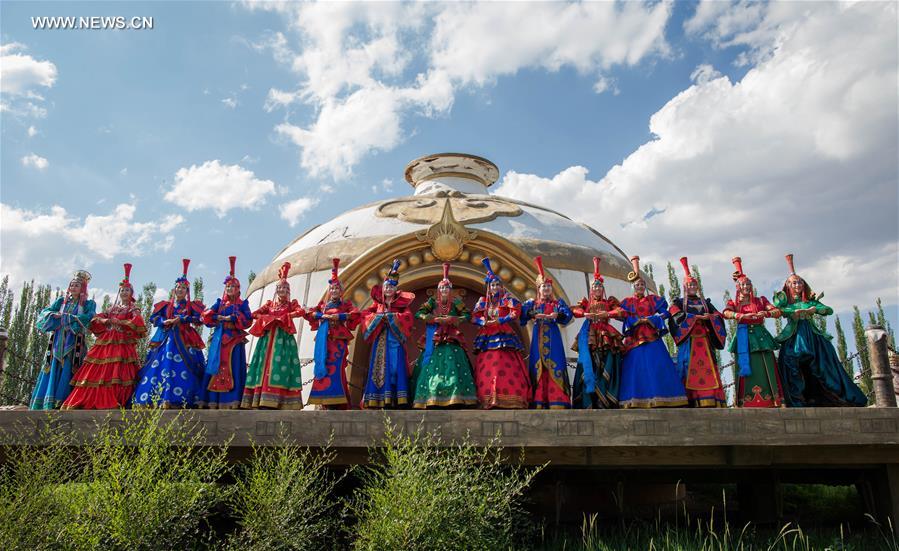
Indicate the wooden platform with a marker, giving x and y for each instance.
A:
(831, 445)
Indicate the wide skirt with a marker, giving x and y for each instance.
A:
(502, 379)
(387, 385)
(813, 374)
(762, 388)
(446, 379)
(331, 391)
(167, 380)
(106, 378)
(53, 384)
(649, 378)
(607, 369)
(274, 378)
(229, 399)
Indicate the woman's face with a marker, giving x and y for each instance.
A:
(744, 286)
(796, 286)
(334, 292)
(180, 291)
(74, 289)
(692, 288)
(639, 287)
(283, 291)
(444, 291)
(126, 294)
(495, 287)
(232, 289)
(389, 291)
(546, 291)
(596, 290)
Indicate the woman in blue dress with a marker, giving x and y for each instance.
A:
(226, 364)
(649, 378)
(67, 319)
(547, 362)
(170, 376)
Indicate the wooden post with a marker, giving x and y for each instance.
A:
(884, 395)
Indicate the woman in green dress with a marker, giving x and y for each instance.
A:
(442, 375)
(811, 371)
(752, 346)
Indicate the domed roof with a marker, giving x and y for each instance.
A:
(451, 192)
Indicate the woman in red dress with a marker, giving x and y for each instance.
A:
(501, 377)
(106, 378)
(334, 321)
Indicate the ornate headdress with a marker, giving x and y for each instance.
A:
(688, 277)
(283, 272)
(82, 277)
(231, 278)
(446, 280)
(126, 282)
(541, 273)
(597, 277)
(490, 277)
(185, 262)
(740, 276)
(635, 274)
(806, 289)
(335, 263)
(393, 275)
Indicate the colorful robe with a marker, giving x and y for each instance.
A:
(547, 362)
(386, 329)
(226, 364)
(598, 346)
(695, 340)
(171, 374)
(332, 343)
(442, 375)
(64, 353)
(274, 377)
(106, 378)
(649, 379)
(758, 383)
(812, 372)
(501, 376)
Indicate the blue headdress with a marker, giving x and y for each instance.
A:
(393, 275)
(490, 277)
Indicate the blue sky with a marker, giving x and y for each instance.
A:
(753, 129)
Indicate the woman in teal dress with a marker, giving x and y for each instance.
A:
(443, 375)
(811, 370)
(67, 319)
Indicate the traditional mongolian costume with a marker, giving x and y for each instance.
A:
(226, 364)
(332, 342)
(501, 377)
(598, 347)
(758, 383)
(274, 378)
(442, 375)
(67, 319)
(649, 379)
(106, 378)
(697, 328)
(387, 325)
(548, 365)
(175, 362)
(811, 371)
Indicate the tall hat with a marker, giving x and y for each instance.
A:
(739, 276)
(446, 280)
(185, 262)
(231, 278)
(335, 263)
(597, 277)
(687, 275)
(127, 281)
(541, 273)
(393, 275)
(490, 277)
(635, 274)
(806, 289)
(789, 258)
(283, 272)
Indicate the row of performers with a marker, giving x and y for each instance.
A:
(628, 369)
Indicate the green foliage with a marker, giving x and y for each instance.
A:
(421, 496)
(283, 498)
(26, 345)
(673, 284)
(145, 303)
(861, 346)
(250, 277)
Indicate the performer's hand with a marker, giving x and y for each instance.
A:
(491, 322)
(552, 316)
(601, 315)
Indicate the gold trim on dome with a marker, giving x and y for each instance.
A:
(447, 237)
(467, 209)
(459, 165)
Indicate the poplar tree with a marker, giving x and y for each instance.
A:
(252, 276)
(673, 284)
(842, 348)
(861, 347)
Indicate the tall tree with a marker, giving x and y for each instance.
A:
(861, 347)
(145, 300)
(673, 284)
(250, 278)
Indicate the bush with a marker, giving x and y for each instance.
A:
(284, 498)
(422, 495)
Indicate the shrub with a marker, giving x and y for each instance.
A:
(284, 498)
(426, 495)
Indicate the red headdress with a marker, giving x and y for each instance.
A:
(446, 280)
(126, 282)
(283, 272)
(806, 290)
(687, 275)
(541, 273)
(739, 276)
(334, 280)
(231, 278)
(185, 262)
(635, 274)
(597, 277)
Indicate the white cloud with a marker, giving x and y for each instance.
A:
(218, 187)
(356, 62)
(35, 161)
(293, 211)
(48, 245)
(124, 171)
(20, 73)
(798, 156)
(230, 103)
(32, 131)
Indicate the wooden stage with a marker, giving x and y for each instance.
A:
(755, 448)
